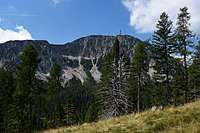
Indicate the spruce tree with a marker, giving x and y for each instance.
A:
(163, 42)
(73, 101)
(103, 91)
(25, 86)
(184, 35)
(54, 96)
(177, 83)
(194, 74)
(91, 106)
(138, 71)
(80, 106)
(7, 87)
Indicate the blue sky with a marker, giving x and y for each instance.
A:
(60, 21)
(66, 20)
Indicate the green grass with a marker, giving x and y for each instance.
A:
(184, 119)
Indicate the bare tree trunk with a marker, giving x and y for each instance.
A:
(186, 75)
(138, 93)
(167, 76)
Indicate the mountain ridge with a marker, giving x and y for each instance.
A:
(76, 58)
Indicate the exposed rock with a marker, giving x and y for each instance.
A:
(42, 76)
(96, 74)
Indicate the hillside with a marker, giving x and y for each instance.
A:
(184, 119)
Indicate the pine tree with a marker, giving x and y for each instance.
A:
(184, 35)
(103, 91)
(54, 96)
(25, 86)
(113, 86)
(7, 87)
(177, 83)
(194, 74)
(163, 42)
(139, 70)
(91, 106)
(80, 105)
(73, 101)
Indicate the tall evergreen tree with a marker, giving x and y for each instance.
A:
(7, 87)
(80, 105)
(72, 90)
(139, 70)
(184, 35)
(25, 87)
(194, 74)
(177, 83)
(91, 106)
(163, 42)
(54, 96)
(103, 89)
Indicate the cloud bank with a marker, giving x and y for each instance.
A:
(19, 34)
(145, 13)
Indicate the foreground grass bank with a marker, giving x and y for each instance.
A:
(185, 119)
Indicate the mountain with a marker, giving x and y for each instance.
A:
(76, 58)
(184, 119)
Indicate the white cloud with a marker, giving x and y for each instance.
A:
(145, 13)
(19, 34)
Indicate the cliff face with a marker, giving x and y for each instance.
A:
(76, 58)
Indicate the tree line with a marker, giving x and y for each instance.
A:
(162, 72)
(28, 104)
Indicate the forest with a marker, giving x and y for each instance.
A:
(163, 71)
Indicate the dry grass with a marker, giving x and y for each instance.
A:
(185, 119)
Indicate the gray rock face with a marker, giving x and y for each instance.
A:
(75, 58)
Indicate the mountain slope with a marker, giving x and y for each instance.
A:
(185, 119)
(76, 58)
